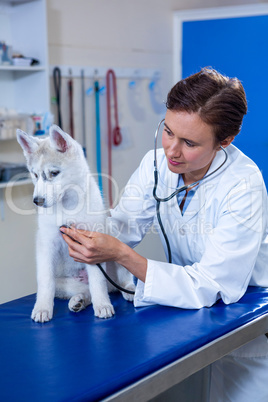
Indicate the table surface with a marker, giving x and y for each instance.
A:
(79, 357)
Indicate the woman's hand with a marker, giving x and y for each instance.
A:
(94, 248)
(91, 247)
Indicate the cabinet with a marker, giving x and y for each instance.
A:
(23, 25)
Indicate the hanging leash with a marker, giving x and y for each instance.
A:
(83, 113)
(70, 92)
(114, 135)
(57, 86)
(98, 134)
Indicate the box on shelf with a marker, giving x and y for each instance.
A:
(10, 123)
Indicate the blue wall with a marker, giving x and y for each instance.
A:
(236, 47)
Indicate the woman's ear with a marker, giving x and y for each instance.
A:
(227, 141)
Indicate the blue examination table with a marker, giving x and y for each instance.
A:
(133, 356)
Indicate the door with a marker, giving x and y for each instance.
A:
(233, 40)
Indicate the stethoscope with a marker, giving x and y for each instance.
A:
(177, 191)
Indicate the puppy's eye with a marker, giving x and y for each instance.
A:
(35, 175)
(54, 173)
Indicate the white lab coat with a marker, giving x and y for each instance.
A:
(219, 247)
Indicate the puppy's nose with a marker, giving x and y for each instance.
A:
(39, 201)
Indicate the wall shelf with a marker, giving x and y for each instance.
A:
(22, 68)
(17, 2)
(11, 183)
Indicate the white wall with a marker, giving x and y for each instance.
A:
(17, 239)
(108, 33)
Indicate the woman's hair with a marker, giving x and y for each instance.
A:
(220, 101)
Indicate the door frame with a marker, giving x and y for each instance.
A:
(179, 17)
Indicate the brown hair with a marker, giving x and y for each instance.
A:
(219, 100)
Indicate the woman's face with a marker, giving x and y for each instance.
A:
(189, 145)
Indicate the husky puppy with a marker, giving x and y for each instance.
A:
(66, 193)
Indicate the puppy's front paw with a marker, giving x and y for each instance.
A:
(41, 314)
(128, 296)
(104, 310)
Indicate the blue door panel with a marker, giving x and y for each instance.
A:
(236, 47)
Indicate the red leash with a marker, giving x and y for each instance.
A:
(114, 135)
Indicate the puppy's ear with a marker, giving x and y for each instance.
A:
(59, 139)
(28, 143)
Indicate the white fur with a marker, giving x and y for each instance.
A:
(68, 197)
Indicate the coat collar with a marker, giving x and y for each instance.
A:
(199, 198)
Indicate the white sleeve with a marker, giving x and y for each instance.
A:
(134, 215)
(226, 266)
